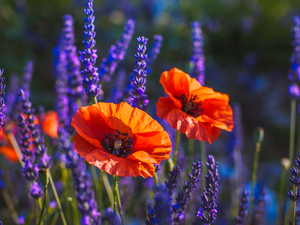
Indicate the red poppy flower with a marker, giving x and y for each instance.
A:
(49, 123)
(197, 111)
(6, 147)
(119, 139)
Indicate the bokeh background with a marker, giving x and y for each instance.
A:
(247, 47)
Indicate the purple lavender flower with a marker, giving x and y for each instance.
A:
(116, 53)
(295, 180)
(153, 52)
(26, 78)
(30, 170)
(138, 78)
(172, 180)
(2, 87)
(294, 72)
(21, 220)
(162, 206)
(117, 91)
(62, 100)
(185, 195)
(33, 130)
(197, 58)
(10, 94)
(88, 56)
(36, 191)
(209, 194)
(111, 217)
(2, 183)
(45, 161)
(73, 65)
(82, 184)
(240, 219)
(259, 209)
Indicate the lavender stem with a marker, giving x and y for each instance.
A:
(10, 206)
(254, 172)
(292, 129)
(16, 147)
(57, 200)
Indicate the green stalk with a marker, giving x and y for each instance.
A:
(108, 188)
(253, 180)
(285, 167)
(292, 129)
(191, 151)
(57, 200)
(10, 206)
(44, 204)
(203, 158)
(291, 146)
(294, 205)
(119, 204)
(155, 179)
(100, 190)
(95, 178)
(16, 147)
(176, 148)
(115, 192)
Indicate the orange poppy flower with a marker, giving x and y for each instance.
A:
(6, 147)
(49, 123)
(119, 139)
(197, 111)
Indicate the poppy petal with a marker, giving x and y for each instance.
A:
(112, 164)
(92, 125)
(9, 153)
(49, 123)
(185, 123)
(157, 144)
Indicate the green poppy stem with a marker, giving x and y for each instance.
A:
(292, 129)
(115, 192)
(44, 204)
(57, 200)
(191, 151)
(100, 190)
(203, 158)
(253, 180)
(176, 147)
(117, 199)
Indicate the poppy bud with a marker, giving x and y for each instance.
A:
(258, 134)
(44, 176)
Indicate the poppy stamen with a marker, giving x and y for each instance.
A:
(191, 105)
(119, 144)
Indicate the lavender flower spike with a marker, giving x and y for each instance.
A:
(295, 180)
(197, 58)
(73, 65)
(88, 56)
(154, 51)
(2, 87)
(240, 219)
(294, 72)
(82, 184)
(185, 195)
(116, 53)
(138, 78)
(209, 194)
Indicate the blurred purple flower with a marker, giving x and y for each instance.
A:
(89, 56)
(116, 53)
(153, 52)
(36, 191)
(197, 58)
(138, 77)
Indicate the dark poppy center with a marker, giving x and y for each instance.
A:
(119, 144)
(191, 105)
